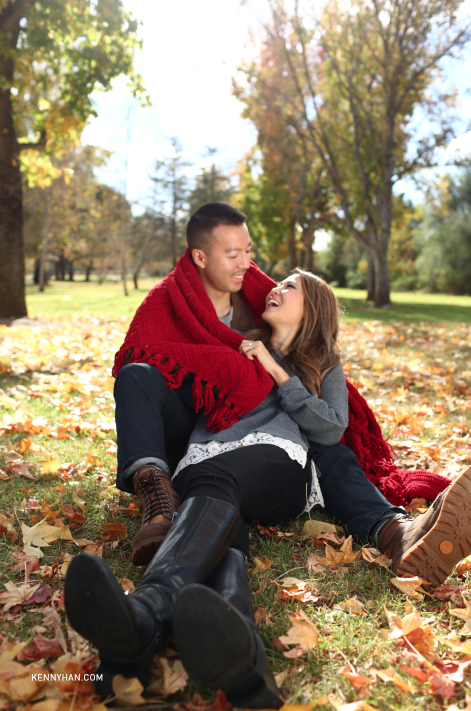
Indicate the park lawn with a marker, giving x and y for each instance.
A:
(56, 413)
(108, 301)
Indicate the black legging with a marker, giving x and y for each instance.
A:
(261, 480)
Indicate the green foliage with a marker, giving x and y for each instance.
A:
(444, 240)
(210, 186)
(64, 52)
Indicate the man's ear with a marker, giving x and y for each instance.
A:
(199, 258)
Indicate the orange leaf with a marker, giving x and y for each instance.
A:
(112, 531)
(357, 681)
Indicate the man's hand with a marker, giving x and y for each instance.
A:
(256, 349)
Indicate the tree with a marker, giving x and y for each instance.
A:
(171, 187)
(211, 185)
(444, 238)
(53, 55)
(294, 179)
(356, 74)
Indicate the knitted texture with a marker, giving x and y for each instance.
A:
(176, 329)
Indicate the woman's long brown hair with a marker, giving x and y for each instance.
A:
(314, 351)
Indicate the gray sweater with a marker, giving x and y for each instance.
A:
(291, 412)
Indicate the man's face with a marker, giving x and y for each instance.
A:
(224, 268)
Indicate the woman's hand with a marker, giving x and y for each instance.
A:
(256, 349)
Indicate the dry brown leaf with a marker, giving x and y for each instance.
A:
(464, 615)
(372, 555)
(260, 615)
(7, 529)
(174, 677)
(353, 606)
(314, 564)
(80, 502)
(303, 634)
(343, 556)
(409, 587)
(16, 595)
(261, 565)
(113, 531)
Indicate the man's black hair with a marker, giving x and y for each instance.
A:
(199, 230)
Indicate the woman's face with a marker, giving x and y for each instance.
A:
(285, 303)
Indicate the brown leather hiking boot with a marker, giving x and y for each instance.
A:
(158, 503)
(431, 544)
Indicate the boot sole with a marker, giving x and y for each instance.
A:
(217, 648)
(144, 550)
(435, 555)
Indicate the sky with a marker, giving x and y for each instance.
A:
(192, 49)
(190, 55)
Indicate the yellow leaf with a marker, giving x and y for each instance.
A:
(409, 586)
(128, 691)
(353, 606)
(261, 565)
(315, 528)
(127, 585)
(16, 595)
(51, 467)
(343, 556)
(80, 502)
(303, 634)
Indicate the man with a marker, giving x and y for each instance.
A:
(154, 424)
(181, 354)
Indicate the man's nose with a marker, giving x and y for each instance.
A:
(244, 260)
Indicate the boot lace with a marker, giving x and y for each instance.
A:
(156, 499)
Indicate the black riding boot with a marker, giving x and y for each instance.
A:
(218, 639)
(129, 629)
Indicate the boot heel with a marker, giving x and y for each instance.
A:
(109, 667)
(219, 648)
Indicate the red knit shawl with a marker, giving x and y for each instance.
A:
(177, 324)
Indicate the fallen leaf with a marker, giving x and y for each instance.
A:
(261, 565)
(409, 587)
(80, 502)
(312, 529)
(416, 504)
(343, 556)
(73, 515)
(127, 585)
(415, 673)
(41, 648)
(353, 606)
(440, 685)
(7, 529)
(260, 614)
(372, 555)
(42, 534)
(174, 677)
(22, 468)
(17, 595)
(303, 634)
(464, 615)
(112, 531)
(128, 691)
(324, 538)
(356, 680)
(314, 564)
(50, 467)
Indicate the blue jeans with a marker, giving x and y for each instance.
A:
(154, 424)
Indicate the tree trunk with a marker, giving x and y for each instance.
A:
(123, 259)
(381, 274)
(36, 272)
(88, 271)
(42, 263)
(141, 259)
(292, 247)
(12, 264)
(308, 254)
(370, 279)
(70, 269)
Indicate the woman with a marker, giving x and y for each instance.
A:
(257, 468)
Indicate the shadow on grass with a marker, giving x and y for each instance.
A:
(359, 310)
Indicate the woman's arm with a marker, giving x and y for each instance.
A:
(256, 349)
(323, 419)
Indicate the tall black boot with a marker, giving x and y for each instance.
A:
(218, 639)
(129, 630)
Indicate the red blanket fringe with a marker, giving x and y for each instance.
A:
(176, 329)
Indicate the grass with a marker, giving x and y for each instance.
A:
(107, 301)
(415, 373)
